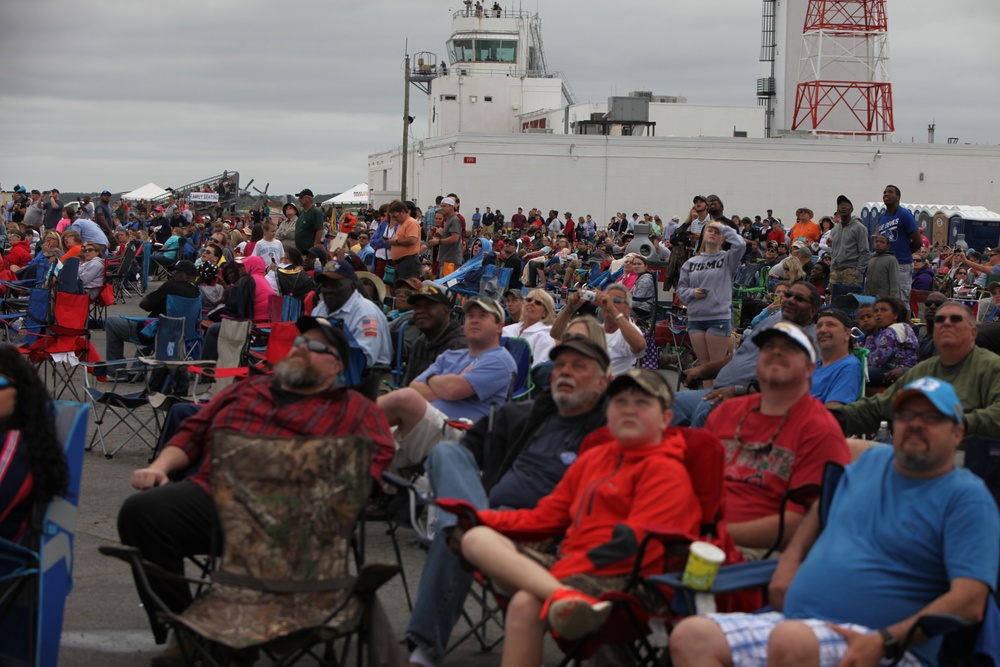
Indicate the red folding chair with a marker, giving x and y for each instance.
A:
(64, 342)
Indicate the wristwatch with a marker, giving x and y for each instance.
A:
(890, 647)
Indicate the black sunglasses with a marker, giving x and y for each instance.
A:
(314, 345)
(797, 297)
(954, 319)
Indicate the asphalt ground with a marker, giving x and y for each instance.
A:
(105, 625)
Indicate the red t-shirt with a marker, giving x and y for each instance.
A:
(757, 481)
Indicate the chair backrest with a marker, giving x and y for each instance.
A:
(520, 350)
(70, 310)
(705, 460)
(279, 342)
(312, 490)
(69, 280)
(283, 308)
(355, 365)
(38, 315)
(48, 557)
(169, 345)
(190, 309)
(862, 352)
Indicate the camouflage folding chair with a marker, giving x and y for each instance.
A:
(288, 508)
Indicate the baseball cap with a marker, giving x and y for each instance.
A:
(447, 201)
(185, 265)
(993, 287)
(516, 293)
(790, 330)
(584, 346)
(487, 304)
(337, 270)
(333, 334)
(408, 283)
(697, 197)
(158, 208)
(843, 199)
(838, 315)
(646, 380)
(676, 218)
(941, 394)
(305, 193)
(431, 291)
(105, 192)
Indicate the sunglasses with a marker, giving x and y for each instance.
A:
(533, 300)
(796, 297)
(6, 382)
(927, 417)
(89, 250)
(314, 345)
(954, 319)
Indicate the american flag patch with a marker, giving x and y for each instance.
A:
(370, 326)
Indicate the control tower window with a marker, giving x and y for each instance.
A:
(482, 51)
(461, 51)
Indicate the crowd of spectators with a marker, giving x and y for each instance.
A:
(835, 345)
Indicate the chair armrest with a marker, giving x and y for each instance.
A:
(132, 318)
(468, 515)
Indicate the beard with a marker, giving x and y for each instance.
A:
(575, 400)
(295, 372)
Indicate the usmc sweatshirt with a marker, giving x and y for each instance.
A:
(714, 273)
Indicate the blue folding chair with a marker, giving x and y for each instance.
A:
(522, 385)
(37, 575)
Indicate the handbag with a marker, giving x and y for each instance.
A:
(107, 295)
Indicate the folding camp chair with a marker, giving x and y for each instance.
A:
(121, 408)
(283, 587)
(36, 574)
(520, 350)
(629, 623)
(59, 340)
(122, 272)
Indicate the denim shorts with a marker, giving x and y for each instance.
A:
(723, 327)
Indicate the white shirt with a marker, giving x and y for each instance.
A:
(538, 337)
(620, 352)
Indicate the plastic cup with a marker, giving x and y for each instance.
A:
(704, 561)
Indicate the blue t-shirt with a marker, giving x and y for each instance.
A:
(897, 227)
(839, 382)
(897, 542)
(489, 373)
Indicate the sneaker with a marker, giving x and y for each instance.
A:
(573, 614)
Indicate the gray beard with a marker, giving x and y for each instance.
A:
(298, 374)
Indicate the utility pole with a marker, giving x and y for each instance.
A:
(406, 128)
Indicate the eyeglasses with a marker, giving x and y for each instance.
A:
(314, 345)
(533, 300)
(796, 297)
(6, 383)
(933, 304)
(89, 250)
(918, 261)
(954, 319)
(931, 417)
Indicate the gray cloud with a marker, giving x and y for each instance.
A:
(98, 93)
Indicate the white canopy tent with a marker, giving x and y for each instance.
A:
(148, 191)
(350, 197)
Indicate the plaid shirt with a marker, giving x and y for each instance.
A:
(250, 407)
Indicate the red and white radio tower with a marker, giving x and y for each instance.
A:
(844, 70)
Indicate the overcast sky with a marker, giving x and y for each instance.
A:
(109, 94)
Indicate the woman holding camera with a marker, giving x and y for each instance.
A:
(706, 287)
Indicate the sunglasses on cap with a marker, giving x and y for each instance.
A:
(314, 345)
(6, 382)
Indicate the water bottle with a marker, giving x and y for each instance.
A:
(883, 437)
(318, 265)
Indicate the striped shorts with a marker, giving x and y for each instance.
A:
(747, 635)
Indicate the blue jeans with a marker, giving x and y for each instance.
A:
(690, 410)
(444, 585)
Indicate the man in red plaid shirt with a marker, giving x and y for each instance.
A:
(168, 521)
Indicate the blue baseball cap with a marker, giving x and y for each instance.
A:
(941, 394)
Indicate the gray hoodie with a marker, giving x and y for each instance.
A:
(713, 273)
(849, 246)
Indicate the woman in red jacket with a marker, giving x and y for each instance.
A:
(601, 506)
